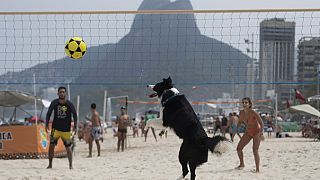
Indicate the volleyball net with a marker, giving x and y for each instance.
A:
(237, 52)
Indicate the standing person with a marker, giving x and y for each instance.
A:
(230, 122)
(96, 130)
(234, 120)
(80, 131)
(123, 122)
(232, 127)
(254, 131)
(142, 124)
(270, 126)
(217, 125)
(135, 128)
(224, 125)
(149, 116)
(61, 124)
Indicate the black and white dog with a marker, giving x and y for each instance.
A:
(179, 115)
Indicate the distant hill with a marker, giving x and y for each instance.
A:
(157, 46)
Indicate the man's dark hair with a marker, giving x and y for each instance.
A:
(62, 87)
(93, 106)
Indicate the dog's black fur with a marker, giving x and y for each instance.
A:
(179, 115)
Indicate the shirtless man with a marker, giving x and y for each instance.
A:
(233, 126)
(123, 122)
(96, 130)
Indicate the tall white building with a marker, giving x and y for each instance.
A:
(276, 56)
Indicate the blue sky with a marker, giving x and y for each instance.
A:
(64, 5)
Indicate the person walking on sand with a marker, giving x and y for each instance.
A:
(61, 124)
(122, 122)
(96, 130)
(254, 131)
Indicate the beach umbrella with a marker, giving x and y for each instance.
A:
(306, 108)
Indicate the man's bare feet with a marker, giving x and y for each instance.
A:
(255, 171)
(240, 167)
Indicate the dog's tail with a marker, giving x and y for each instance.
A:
(217, 144)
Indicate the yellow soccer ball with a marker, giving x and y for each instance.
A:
(75, 48)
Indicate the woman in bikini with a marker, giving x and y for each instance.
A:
(254, 131)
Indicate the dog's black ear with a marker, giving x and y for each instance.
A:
(169, 81)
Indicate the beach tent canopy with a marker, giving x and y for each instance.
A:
(15, 99)
(314, 98)
(211, 105)
(306, 108)
(264, 108)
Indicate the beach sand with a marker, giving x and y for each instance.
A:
(285, 158)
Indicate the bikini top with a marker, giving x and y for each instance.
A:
(251, 122)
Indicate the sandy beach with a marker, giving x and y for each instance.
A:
(284, 158)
